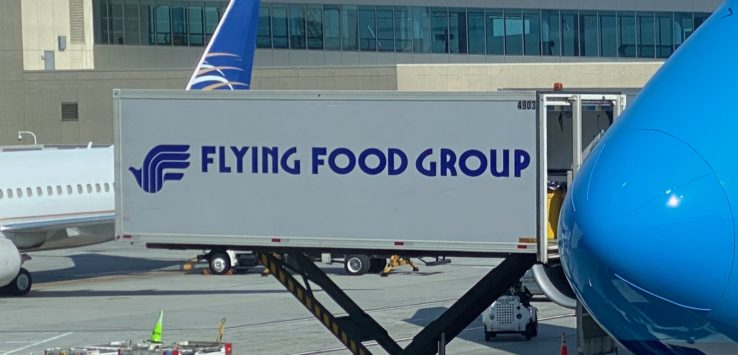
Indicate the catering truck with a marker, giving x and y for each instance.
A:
(372, 173)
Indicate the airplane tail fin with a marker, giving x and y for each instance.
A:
(227, 60)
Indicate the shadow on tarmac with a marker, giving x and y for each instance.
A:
(474, 332)
(132, 293)
(94, 265)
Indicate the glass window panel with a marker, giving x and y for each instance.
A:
(264, 31)
(163, 33)
(403, 29)
(116, 21)
(664, 34)
(588, 34)
(513, 32)
(495, 32)
(683, 27)
(179, 24)
(314, 20)
(608, 34)
(532, 32)
(422, 29)
(367, 29)
(385, 29)
(626, 21)
(132, 27)
(457, 30)
(646, 32)
(476, 31)
(439, 28)
(100, 10)
(332, 26)
(279, 26)
(148, 21)
(297, 26)
(212, 15)
(350, 28)
(195, 24)
(550, 33)
(569, 33)
(699, 18)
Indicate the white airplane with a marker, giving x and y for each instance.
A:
(59, 198)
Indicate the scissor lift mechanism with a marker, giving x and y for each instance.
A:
(358, 327)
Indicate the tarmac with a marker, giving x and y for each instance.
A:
(114, 291)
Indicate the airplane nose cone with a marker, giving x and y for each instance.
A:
(648, 210)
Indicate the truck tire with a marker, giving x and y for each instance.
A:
(529, 331)
(376, 265)
(356, 265)
(219, 263)
(21, 284)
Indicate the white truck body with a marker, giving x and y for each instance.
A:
(433, 173)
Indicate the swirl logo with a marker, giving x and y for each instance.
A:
(160, 165)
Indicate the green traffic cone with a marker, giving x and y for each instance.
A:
(156, 332)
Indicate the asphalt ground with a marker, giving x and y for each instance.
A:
(114, 291)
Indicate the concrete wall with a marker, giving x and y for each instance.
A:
(492, 77)
(43, 21)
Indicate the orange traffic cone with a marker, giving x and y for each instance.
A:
(564, 349)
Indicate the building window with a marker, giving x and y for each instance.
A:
(297, 26)
(608, 34)
(350, 28)
(550, 33)
(646, 33)
(162, 22)
(476, 31)
(179, 24)
(314, 23)
(116, 21)
(627, 35)
(332, 27)
(212, 16)
(457, 31)
(588, 34)
(264, 31)
(367, 29)
(683, 27)
(280, 29)
(664, 34)
(570, 33)
(439, 27)
(495, 32)
(513, 32)
(532, 32)
(196, 23)
(403, 29)
(385, 30)
(421, 29)
(131, 24)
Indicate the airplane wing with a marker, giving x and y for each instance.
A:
(53, 224)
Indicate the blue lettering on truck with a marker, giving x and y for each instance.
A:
(430, 162)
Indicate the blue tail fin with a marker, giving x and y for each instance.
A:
(227, 60)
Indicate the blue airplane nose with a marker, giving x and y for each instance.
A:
(647, 211)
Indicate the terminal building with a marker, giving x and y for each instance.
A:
(60, 59)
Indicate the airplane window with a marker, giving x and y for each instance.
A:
(49, 190)
(89, 188)
(29, 192)
(1, 193)
(39, 191)
(59, 190)
(107, 187)
(19, 192)
(69, 189)
(97, 188)
(79, 189)
(10, 193)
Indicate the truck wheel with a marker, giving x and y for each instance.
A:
(219, 263)
(21, 284)
(356, 265)
(529, 331)
(376, 265)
